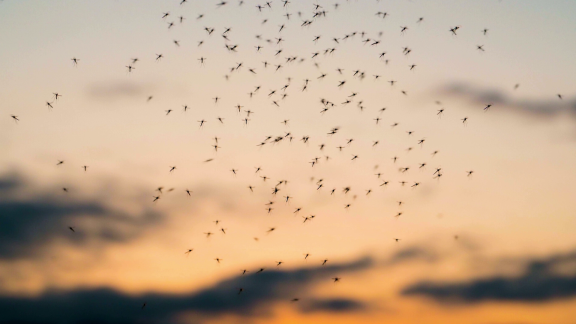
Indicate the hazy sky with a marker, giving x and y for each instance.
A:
(494, 247)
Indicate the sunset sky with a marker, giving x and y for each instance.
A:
(493, 247)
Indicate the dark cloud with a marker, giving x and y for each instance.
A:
(109, 306)
(29, 224)
(542, 280)
(543, 108)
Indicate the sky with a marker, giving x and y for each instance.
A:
(495, 246)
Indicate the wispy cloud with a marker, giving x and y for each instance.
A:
(115, 90)
(549, 107)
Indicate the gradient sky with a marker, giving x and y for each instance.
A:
(495, 247)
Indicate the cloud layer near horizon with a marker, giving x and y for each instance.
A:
(260, 292)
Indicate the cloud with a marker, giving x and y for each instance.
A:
(542, 108)
(261, 291)
(542, 280)
(29, 224)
